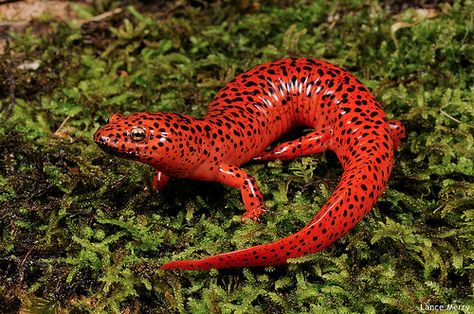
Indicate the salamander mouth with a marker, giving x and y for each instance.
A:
(113, 150)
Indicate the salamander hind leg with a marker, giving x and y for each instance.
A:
(311, 143)
(252, 197)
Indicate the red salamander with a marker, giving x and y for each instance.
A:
(244, 118)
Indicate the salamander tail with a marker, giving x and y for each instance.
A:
(360, 186)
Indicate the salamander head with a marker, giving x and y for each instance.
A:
(166, 141)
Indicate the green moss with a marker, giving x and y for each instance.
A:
(79, 233)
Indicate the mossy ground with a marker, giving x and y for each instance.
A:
(79, 234)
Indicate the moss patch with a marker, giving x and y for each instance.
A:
(79, 233)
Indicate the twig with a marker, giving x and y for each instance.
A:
(8, 1)
(444, 113)
(62, 125)
(449, 116)
(21, 267)
(105, 15)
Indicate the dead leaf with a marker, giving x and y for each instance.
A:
(25, 11)
(395, 27)
(427, 13)
(420, 15)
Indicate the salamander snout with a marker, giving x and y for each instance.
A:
(116, 117)
(110, 142)
(100, 139)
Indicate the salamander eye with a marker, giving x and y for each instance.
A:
(137, 134)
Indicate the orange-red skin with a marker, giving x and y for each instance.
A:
(246, 116)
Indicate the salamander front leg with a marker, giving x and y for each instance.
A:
(311, 143)
(159, 181)
(253, 200)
